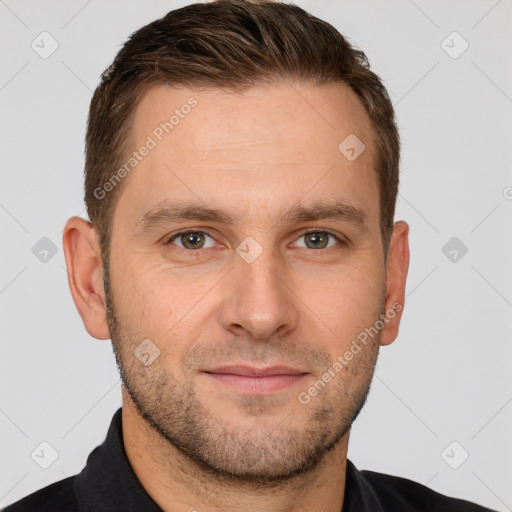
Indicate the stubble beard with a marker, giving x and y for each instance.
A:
(256, 456)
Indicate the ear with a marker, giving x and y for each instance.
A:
(396, 271)
(85, 275)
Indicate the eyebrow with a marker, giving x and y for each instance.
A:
(167, 212)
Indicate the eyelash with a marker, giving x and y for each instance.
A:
(189, 251)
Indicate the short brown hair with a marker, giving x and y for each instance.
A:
(230, 45)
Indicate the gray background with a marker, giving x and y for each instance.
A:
(447, 376)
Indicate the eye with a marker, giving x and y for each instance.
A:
(191, 240)
(194, 240)
(315, 239)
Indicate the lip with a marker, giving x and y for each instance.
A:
(256, 381)
(251, 371)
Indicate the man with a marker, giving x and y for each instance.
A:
(241, 176)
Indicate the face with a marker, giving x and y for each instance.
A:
(277, 261)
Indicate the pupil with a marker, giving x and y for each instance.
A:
(190, 239)
(318, 239)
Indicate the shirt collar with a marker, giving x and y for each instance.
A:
(108, 481)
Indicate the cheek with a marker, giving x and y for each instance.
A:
(164, 306)
(144, 298)
(346, 301)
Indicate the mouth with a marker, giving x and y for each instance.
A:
(256, 381)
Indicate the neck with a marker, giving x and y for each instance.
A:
(177, 483)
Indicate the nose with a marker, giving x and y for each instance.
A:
(260, 302)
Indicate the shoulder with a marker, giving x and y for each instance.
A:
(400, 494)
(55, 497)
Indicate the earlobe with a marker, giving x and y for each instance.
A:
(397, 268)
(85, 275)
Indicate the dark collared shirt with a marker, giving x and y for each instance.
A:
(108, 484)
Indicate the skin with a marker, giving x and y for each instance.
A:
(193, 442)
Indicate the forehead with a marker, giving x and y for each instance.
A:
(261, 115)
(272, 145)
